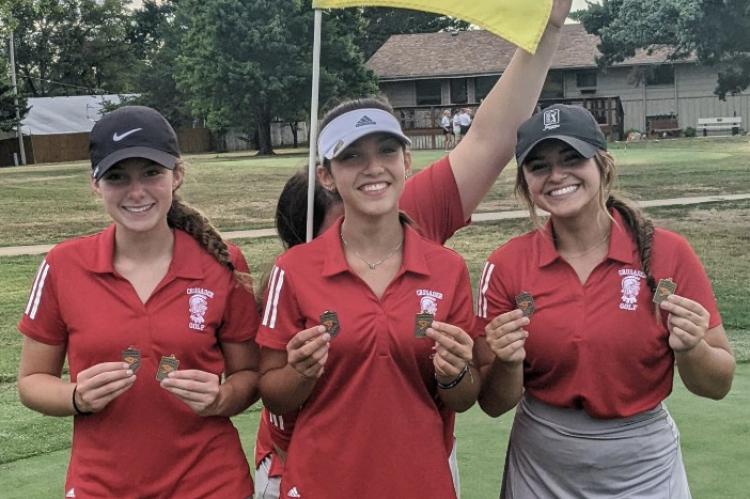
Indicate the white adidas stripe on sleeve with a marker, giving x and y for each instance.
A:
(484, 283)
(275, 310)
(271, 286)
(36, 291)
(272, 301)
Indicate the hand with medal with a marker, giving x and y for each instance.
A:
(687, 322)
(199, 390)
(100, 384)
(453, 350)
(506, 336)
(307, 352)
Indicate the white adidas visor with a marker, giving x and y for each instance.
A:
(353, 125)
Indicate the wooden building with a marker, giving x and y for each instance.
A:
(423, 74)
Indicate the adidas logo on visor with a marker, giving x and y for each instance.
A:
(364, 121)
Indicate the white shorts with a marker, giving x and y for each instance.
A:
(268, 487)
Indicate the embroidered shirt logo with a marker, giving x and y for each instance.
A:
(428, 300)
(364, 121)
(198, 306)
(630, 287)
(293, 492)
(551, 119)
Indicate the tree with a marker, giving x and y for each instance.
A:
(382, 22)
(245, 64)
(8, 108)
(716, 31)
(68, 47)
(154, 39)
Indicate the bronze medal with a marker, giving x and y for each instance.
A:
(423, 321)
(132, 357)
(166, 366)
(665, 288)
(525, 302)
(331, 322)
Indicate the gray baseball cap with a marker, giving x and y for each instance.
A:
(132, 132)
(574, 125)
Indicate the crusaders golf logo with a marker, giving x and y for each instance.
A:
(428, 300)
(198, 306)
(630, 287)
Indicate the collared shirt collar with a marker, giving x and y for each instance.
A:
(335, 260)
(186, 255)
(621, 244)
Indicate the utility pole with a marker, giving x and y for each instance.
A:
(15, 93)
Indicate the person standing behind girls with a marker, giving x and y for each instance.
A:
(159, 281)
(464, 121)
(447, 126)
(440, 199)
(593, 363)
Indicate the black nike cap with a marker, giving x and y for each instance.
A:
(132, 132)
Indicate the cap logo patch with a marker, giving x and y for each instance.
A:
(364, 121)
(551, 119)
(118, 138)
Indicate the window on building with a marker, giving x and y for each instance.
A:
(483, 85)
(586, 79)
(428, 92)
(458, 91)
(662, 74)
(554, 88)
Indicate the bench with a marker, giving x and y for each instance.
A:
(662, 126)
(733, 123)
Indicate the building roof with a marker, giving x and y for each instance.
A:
(478, 52)
(66, 114)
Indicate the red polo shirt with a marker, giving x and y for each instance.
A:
(375, 413)
(146, 442)
(432, 200)
(598, 345)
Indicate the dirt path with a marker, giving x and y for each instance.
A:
(477, 217)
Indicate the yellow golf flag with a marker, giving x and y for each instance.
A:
(521, 22)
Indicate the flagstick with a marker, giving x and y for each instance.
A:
(313, 124)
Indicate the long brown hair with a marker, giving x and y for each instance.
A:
(184, 217)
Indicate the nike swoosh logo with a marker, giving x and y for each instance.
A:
(118, 138)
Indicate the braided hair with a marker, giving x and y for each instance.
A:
(184, 217)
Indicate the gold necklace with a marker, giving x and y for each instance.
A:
(372, 266)
(587, 251)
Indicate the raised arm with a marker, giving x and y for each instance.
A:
(490, 143)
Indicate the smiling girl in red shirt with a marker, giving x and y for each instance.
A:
(592, 358)
(156, 291)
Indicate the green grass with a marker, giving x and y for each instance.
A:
(43, 204)
(60, 199)
(714, 448)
